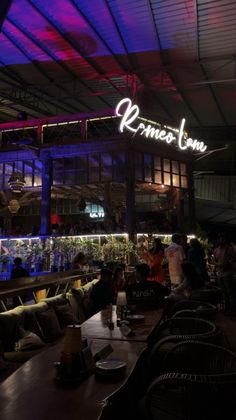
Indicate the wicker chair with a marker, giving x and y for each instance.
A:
(213, 295)
(211, 359)
(182, 327)
(177, 396)
(202, 310)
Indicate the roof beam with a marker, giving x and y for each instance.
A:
(133, 64)
(37, 66)
(165, 63)
(74, 45)
(202, 66)
(46, 51)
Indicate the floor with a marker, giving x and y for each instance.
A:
(228, 325)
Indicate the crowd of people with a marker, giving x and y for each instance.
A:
(188, 268)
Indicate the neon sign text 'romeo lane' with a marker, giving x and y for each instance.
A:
(130, 113)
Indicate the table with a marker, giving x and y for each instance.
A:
(97, 326)
(31, 392)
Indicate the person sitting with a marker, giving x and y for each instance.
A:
(79, 261)
(101, 294)
(145, 292)
(19, 271)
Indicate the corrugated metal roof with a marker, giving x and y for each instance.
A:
(176, 57)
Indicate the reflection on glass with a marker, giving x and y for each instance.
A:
(175, 180)
(157, 177)
(166, 165)
(183, 182)
(175, 167)
(166, 178)
(183, 168)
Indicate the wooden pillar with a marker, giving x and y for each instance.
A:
(46, 194)
(191, 199)
(130, 216)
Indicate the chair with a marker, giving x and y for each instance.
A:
(182, 327)
(179, 396)
(213, 295)
(211, 359)
(197, 313)
(203, 310)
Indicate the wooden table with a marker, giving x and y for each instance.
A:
(97, 326)
(31, 392)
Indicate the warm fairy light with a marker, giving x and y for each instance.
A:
(130, 113)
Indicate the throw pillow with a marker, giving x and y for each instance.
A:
(65, 315)
(49, 324)
(29, 341)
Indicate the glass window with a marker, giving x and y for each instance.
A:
(148, 174)
(106, 159)
(147, 159)
(175, 180)
(183, 168)
(81, 177)
(157, 177)
(69, 177)
(81, 162)
(175, 167)
(166, 178)
(183, 182)
(37, 180)
(139, 173)
(58, 164)
(57, 178)
(69, 163)
(118, 167)
(94, 175)
(106, 174)
(94, 160)
(157, 162)
(166, 165)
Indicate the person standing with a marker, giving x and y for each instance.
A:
(175, 256)
(196, 255)
(225, 260)
(154, 258)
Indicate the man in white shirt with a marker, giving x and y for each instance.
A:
(175, 255)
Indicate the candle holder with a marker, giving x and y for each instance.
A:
(121, 303)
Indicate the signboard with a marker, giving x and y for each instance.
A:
(131, 121)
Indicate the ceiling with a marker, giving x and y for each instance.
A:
(177, 57)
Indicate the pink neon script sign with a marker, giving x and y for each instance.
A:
(130, 114)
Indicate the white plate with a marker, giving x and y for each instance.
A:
(110, 366)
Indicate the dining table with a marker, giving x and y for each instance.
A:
(106, 325)
(32, 391)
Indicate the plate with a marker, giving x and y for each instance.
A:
(110, 367)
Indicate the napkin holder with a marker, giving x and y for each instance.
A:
(76, 362)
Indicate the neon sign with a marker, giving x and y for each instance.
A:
(149, 129)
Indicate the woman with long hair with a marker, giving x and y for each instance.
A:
(154, 258)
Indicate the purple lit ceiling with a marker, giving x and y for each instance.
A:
(177, 57)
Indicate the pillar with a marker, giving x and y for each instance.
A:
(191, 199)
(130, 215)
(46, 194)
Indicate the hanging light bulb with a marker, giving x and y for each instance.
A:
(13, 206)
(16, 182)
